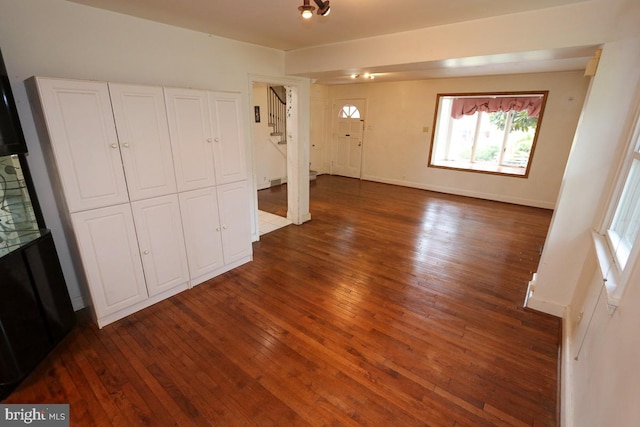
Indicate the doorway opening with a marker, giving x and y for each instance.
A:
(297, 146)
(270, 155)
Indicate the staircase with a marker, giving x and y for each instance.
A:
(277, 112)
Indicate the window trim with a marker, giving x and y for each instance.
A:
(500, 170)
(614, 277)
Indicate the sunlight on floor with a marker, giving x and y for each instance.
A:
(269, 222)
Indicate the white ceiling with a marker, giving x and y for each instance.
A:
(277, 24)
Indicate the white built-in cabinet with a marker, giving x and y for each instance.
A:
(215, 221)
(201, 219)
(85, 144)
(191, 138)
(141, 123)
(206, 137)
(110, 256)
(228, 146)
(234, 212)
(161, 242)
(154, 183)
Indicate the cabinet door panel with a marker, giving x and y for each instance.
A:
(161, 241)
(23, 334)
(229, 152)
(141, 121)
(109, 250)
(202, 230)
(191, 140)
(83, 138)
(48, 279)
(235, 220)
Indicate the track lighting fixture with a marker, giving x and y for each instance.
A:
(367, 76)
(323, 7)
(306, 10)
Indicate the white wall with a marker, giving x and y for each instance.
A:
(604, 381)
(600, 375)
(599, 143)
(602, 386)
(396, 149)
(581, 24)
(270, 159)
(63, 39)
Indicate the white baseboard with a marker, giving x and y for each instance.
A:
(468, 193)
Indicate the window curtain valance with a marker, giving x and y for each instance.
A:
(469, 106)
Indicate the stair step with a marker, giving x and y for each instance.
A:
(276, 134)
(282, 142)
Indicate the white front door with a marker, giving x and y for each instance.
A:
(348, 138)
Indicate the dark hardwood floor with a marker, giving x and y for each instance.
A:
(391, 307)
(274, 200)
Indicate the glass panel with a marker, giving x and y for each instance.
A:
(462, 133)
(626, 221)
(489, 141)
(18, 222)
(520, 139)
(349, 112)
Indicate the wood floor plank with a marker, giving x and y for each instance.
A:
(392, 306)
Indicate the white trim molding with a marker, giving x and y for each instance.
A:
(538, 304)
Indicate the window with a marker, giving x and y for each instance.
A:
(487, 132)
(619, 244)
(349, 112)
(623, 232)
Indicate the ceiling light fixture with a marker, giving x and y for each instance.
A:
(306, 10)
(367, 76)
(323, 7)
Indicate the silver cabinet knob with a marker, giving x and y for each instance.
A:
(217, 140)
(146, 252)
(114, 145)
(208, 139)
(126, 144)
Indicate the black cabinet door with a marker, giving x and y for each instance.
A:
(48, 280)
(24, 339)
